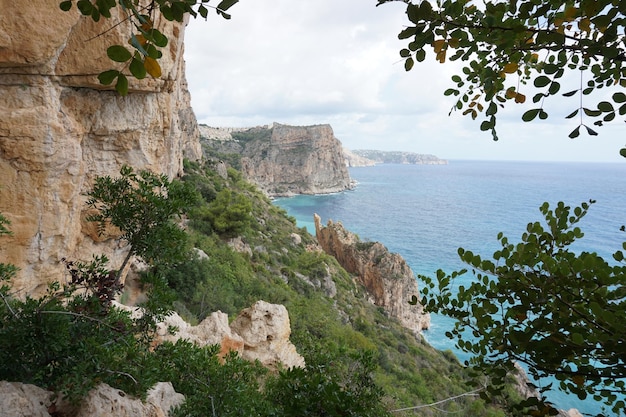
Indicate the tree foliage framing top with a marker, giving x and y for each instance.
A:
(144, 38)
(508, 44)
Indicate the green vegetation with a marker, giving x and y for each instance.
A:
(539, 303)
(508, 44)
(145, 39)
(359, 361)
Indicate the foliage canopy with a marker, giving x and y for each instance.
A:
(508, 44)
(144, 39)
(539, 303)
(144, 206)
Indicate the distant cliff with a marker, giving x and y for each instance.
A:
(387, 277)
(395, 157)
(284, 160)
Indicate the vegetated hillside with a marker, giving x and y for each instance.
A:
(255, 251)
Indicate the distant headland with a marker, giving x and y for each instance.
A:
(368, 157)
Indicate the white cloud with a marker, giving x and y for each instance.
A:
(337, 62)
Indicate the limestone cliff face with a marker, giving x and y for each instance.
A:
(386, 276)
(286, 160)
(59, 128)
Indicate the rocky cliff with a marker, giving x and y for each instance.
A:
(285, 160)
(59, 128)
(354, 160)
(387, 277)
(398, 157)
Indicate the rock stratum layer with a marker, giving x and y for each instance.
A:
(60, 128)
(285, 160)
(389, 280)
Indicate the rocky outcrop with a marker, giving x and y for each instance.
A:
(260, 332)
(23, 400)
(265, 329)
(386, 276)
(285, 160)
(59, 128)
(397, 157)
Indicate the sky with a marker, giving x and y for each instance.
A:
(337, 62)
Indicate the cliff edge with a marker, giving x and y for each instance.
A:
(60, 128)
(284, 160)
(386, 276)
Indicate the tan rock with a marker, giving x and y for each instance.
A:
(23, 400)
(386, 276)
(265, 329)
(59, 128)
(213, 330)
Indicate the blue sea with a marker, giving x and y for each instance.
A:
(426, 212)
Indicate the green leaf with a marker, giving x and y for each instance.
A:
(408, 64)
(122, 85)
(623, 152)
(570, 93)
(65, 5)
(619, 97)
(107, 77)
(118, 53)
(159, 39)
(605, 106)
(541, 81)
(137, 68)
(622, 109)
(530, 115)
(204, 12)
(554, 88)
(85, 7)
(486, 125)
(572, 114)
(405, 53)
(590, 131)
(574, 133)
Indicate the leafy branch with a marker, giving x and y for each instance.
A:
(145, 39)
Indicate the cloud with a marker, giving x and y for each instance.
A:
(337, 62)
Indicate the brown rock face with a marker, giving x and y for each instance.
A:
(386, 276)
(59, 128)
(297, 160)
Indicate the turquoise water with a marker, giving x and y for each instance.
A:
(426, 212)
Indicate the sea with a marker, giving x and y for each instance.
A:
(426, 212)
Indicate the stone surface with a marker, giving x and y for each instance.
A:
(59, 128)
(386, 276)
(260, 332)
(265, 329)
(213, 330)
(285, 160)
(23, 400)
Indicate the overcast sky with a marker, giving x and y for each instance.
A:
(304, 62)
